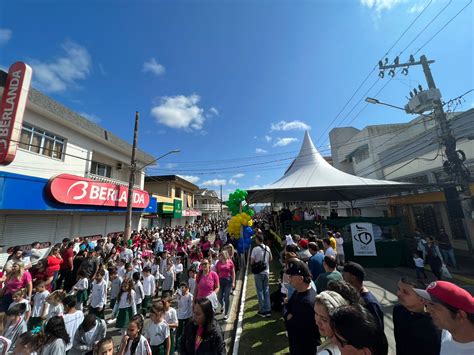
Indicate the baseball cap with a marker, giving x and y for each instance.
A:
(297, 267)
(448, 293)
(304, 243)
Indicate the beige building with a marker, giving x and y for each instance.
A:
(175, 199)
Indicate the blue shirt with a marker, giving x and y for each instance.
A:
(315, 264)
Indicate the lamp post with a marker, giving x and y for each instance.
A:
(131, 182)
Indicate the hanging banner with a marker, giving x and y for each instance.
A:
(12, 108)
(363, 239)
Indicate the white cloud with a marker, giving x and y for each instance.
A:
(380, 5)
(260, 151)
(215, 182)
(63, 72)
(232, 182)
(281, 142)
(91, 117)
(5, 35)
(238, 176)
(180, 112)
(171, 165)
(153, 67)
(190, 178)
(254, 187)
(214, 111)
(268, 138)
(287, 126)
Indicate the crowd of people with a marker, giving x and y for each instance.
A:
(162, 289)
(327, 309)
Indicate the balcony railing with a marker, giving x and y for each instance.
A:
(110, 180)
(208, 208)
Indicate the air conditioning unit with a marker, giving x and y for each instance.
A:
(423, 101)
(119, 166)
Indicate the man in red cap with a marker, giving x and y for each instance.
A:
(452, 309)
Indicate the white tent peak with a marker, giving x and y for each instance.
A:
(310, 169)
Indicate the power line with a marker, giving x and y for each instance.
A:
(442, 28)
(371, 71)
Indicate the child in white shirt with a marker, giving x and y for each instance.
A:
(55, 300)
(157, 331)
(98, 295)
(40, 307)
(139, 292)
(419, 265)
(148, 289)
(82, 287)
(185, 309)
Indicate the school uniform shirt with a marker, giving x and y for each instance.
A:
(115, 286)
(419, 262)
(56, 310)
(4, 345)
(156, 333)
(449, 346)
(139, 292)
(171, 316)
(121, 271)
(82, 284)
(72, 322)
(124, 303)
(106, 277)
(13, 330)
(143, 348)
(149, 285)
(126, 255)
(98, 295)
(179, 268)
(56, 347)
(25, 302)
(39, 301)
(192, 285)
(185, 306)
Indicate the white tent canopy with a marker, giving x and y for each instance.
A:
(311, 178)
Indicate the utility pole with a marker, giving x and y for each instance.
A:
(221, 202)
(454, 165)
(131, 182)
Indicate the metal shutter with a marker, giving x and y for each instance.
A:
(63, 229)
(92, 225)
(23, 229)
(115, 223)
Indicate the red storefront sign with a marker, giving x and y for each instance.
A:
(12, 108)
(76, 190)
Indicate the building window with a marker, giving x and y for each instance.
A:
(39, 141)
(361, 155)
(101, 169)
(177, 192)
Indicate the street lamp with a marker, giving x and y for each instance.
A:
(160, 157)
(133, 169)
(375, 101)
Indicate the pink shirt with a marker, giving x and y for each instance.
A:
(224, 270)
(14, 284)
(206, 284)
(206, 245)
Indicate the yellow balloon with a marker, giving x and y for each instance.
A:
(250, 223)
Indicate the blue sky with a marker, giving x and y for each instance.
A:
(233, 83)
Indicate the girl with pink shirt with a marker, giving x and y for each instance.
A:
(226, 271)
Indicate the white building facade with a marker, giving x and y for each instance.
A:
(57, 147)
(410, 152)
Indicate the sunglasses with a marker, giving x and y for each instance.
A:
(341, 341)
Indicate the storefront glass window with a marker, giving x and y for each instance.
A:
(101, 169)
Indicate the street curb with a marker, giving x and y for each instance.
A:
(238, 331)
(464, 279)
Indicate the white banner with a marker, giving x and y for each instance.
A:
(363, 239)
